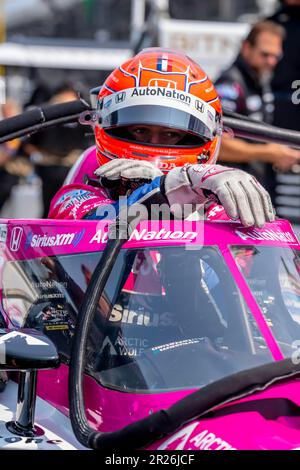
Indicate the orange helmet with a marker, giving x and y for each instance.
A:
(159, 87)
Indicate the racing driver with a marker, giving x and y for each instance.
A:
(158, 125)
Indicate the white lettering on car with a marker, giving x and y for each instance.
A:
(145, 235)
(273, 235)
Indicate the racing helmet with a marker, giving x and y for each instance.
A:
(159, 87)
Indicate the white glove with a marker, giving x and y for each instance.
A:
(239, 193)
(130, 169)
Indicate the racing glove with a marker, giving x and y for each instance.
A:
(239, 193)
(128, 169)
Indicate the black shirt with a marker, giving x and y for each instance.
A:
(241, 91)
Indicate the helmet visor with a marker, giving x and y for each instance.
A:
(158, 106)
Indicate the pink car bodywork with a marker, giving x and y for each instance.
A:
(110, 410)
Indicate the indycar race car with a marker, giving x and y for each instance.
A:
(175, 335)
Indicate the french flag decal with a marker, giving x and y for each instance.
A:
(163, 64)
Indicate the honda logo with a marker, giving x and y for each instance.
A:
(162, 82)
(120, 97)
(16, 237)
(199, 106)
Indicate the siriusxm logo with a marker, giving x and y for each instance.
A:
(44, 241)
(28, 240)
(78, 237)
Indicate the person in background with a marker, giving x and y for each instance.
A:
(7, 152)
(245, 89)
(285, 190)
(55, 150)
(7, 179)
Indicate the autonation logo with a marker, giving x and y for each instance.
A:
(63, 239)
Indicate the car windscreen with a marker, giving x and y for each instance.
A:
(172, 319)
(169, 318)
(46, 294)
(273, 276)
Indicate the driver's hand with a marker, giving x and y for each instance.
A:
(239, 193)
(121, 168)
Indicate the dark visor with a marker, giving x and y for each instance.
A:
(157, 115)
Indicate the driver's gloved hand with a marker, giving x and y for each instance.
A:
(123, 176)
(128, 169)
(239, 193)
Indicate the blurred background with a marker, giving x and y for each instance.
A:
(56, 50)
(82, 40)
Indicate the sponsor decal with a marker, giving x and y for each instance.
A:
(164, 92)
(179, 440)
(145, 235)
(120, 97)
(78, 237)
(30, 340)
(175, 344)
(130, 317)
(48, 284)
(210, 89)
(77, 201)
(16, 238)
(215, 211)
(209, 172)
(44, 241)
(165, 166)
(108, 345)
(3, 233)
(130, 346)
(77, 195)
(205, 440)
(210, 115)
(49, 297)
(108, 103)
(162, 82)
(199, 106)
(270, 234)
(57, 327)
(28, 240)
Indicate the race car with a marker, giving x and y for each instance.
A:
(172, 335)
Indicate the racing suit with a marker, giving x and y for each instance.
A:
(156, 196)
(83, 201)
